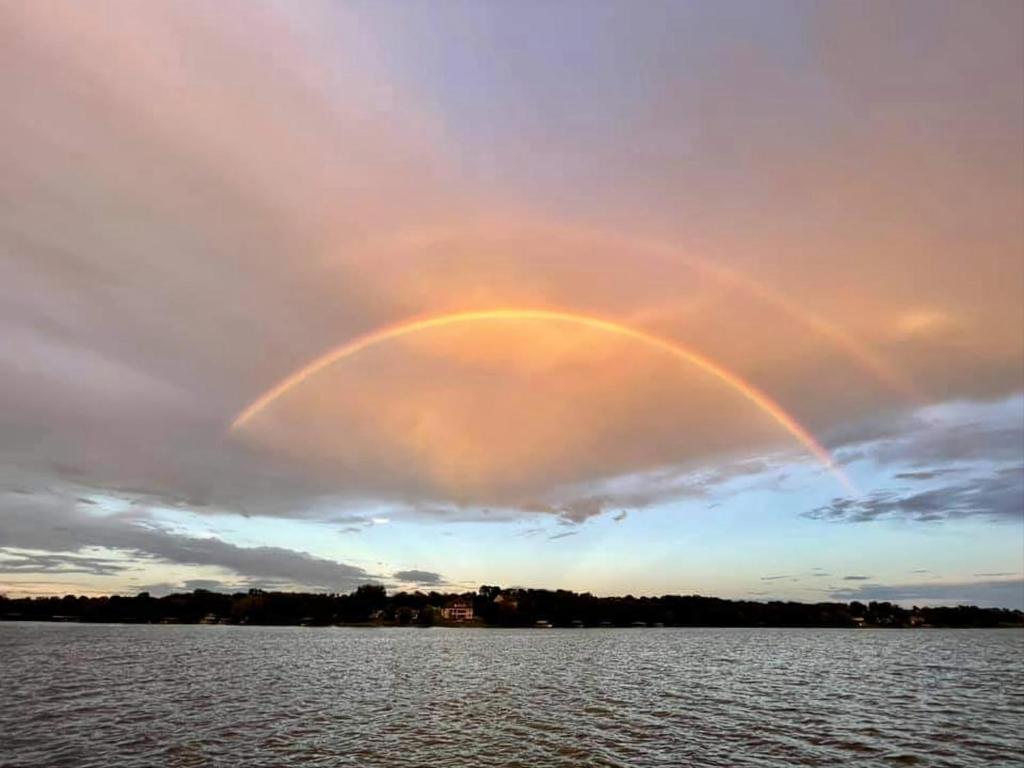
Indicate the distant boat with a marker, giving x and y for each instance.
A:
(576, 624)
(542, 624)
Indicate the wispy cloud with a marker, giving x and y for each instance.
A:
(61, 531)
(422, 578)
(562, 535)
(928, 474)
(15, 561)
(205, 213)
(998, 497)
(1008, 593)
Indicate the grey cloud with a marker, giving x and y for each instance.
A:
(212, 585)
(256, 562)
(939, 443)
(935, 447)
(998, 496)
(775, 578)
(562, 535)
(13, 561)
(49, 525)
(130, 339)
(579, 510)
(846, 440)
(424, 578)
(452, 513)
(954, 444)
(1000, 594)
(349, 520)
(856, 578)
(928, 474)
(159, 589)
(579, 502)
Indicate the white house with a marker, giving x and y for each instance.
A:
(458, 609)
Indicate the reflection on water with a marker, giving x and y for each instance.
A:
(101, 695)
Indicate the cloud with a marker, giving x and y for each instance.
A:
(998, 594)
(957, 443)
(354, 520)
(222, 194)
(929, 474)
(998, 497)
(211, 585)
(563, 535)
(47, 525)
(775, 578)
(937, 440)
(14, 561)
(856, 578)
(578, 502)
(620, 516)
(423, 578)
(947, 461)
(228, 586)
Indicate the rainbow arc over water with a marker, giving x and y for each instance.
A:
(420, 324)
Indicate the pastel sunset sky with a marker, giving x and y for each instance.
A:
(669, 297)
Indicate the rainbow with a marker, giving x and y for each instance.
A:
(403, 328)
(855, 349)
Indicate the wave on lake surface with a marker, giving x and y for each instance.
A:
(102, 695)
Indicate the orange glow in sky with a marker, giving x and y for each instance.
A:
(404, 328)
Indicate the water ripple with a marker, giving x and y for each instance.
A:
(101, 695)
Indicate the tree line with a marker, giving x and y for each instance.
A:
(492, 606)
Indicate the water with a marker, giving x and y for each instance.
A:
(104, 695)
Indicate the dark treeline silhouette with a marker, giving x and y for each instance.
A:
(492, 606)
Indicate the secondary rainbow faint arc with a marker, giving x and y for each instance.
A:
(857, 350)
(415, 325)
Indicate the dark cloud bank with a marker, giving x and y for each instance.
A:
(56, 528)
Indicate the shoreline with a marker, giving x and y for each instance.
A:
(470, 626)
(370, 605)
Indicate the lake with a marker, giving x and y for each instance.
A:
(114, 695)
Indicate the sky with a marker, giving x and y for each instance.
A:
(691, 298)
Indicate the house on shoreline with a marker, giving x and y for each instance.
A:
(458, 610)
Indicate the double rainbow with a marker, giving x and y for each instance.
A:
(406, 327)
